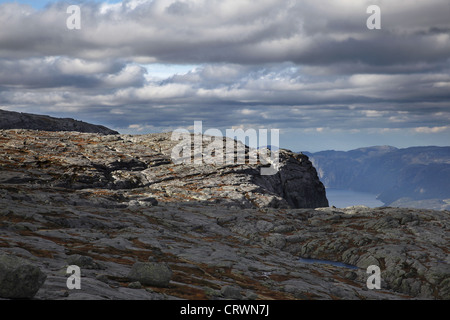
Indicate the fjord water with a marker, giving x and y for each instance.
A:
(346, 198)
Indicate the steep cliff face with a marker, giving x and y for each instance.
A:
(296, 181)
(136, 168)
(17, 120)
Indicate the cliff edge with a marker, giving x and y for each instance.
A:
(138, 167)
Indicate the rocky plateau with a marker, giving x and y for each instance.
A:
(141, 227)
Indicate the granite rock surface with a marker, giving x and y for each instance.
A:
(113, 203)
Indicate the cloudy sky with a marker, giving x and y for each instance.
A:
(310, 68)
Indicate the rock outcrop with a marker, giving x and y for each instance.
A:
(18, 120)
(140, 171)
(118, 207)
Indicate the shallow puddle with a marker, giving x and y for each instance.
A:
(329, 262)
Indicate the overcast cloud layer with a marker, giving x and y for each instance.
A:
(311, 68)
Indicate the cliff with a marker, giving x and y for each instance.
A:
(138, 167)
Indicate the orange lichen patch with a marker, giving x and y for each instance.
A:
(101, 192)
(310, 296)
(41, 253)
(83, 140)
(346, 281)
(99, 254)
(317, 273)
(15, 219)
(214, 239)
(126, 257)
(16, 151)
(189, 278)
(141, 245)
(280, 277)
(206, 239)
(356, 226)
(191, 269)
(154, 220)
(4, 244)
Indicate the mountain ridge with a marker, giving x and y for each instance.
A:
(416, 173)
(19, 120)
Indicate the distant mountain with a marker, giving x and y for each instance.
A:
(17, 120)
(416, 176)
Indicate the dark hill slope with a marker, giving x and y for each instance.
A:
(17, 120)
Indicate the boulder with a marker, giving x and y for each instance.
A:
(18, 278)
(84, 262)
(151, 274)
(231, 292)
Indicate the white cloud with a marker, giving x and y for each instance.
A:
(130, 75)
(79, 66)
(373, 113)
(230, 31)
(159, 71)
(431, 129)
(152, 92)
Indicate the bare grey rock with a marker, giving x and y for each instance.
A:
(111, 202)
(18, 278)
(82, 161)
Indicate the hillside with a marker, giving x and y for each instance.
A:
(417, 176)
(17, 120)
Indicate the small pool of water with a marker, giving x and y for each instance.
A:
(329, 262)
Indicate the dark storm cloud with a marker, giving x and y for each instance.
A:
(305, 32)
(53, 72)
(289, 64)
